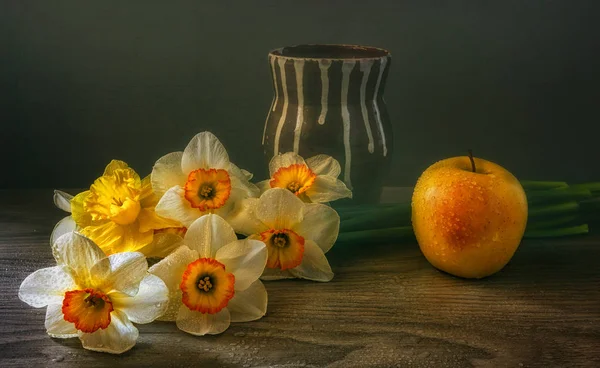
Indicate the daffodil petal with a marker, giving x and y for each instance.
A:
(239, 191)
(284, 160)
(243, 218)
(204, 151)
(149, 220)
(173, 305)
(314, 264)
(272, 274)
(146, 193)
(249, 304)
(162, 245)
(121, 272)
(107, 235)
(117, 338)
(114, 238)
(199, 324)
(62, 200)
(279, 209)
(174, 206)
(264, 185)
(246, 259)
(79, 254)
(207, 234)
(66, 225)
(148, 304)
(172, 267)
(55, 323)
(231, 206)
(81, 217)
(45, 286)
(171, 270)
(247, 174)
(167, 173)
(250, 190)
(320, 224)
(327, 188)
(115, 165)
(240, 173)
(324, 165)
(134, 239)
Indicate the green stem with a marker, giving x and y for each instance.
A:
(361, 207)
(378, 236)
(590, 205)
(558, 195)
(357, 213)
(550, 223)
(542, 185)
(555, 209)
(349, 212)
(390, 217)
(554, 233)
(592, 187)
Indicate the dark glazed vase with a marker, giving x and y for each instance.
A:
(329, 99)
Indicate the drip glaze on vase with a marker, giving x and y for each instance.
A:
(329, 99)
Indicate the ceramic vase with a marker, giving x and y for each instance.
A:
(329, 99)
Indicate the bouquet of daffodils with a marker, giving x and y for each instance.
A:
(216, 235)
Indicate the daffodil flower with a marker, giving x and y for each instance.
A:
(117, 213)
(200, 180)
(314, 180)
(297, 234)
(94, 297)
(213, 278)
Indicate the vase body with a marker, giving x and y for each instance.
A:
(328, 99)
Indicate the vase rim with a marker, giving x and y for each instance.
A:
(332, 52)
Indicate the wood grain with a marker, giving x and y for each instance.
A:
(386, 307)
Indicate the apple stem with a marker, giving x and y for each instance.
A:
(472, 160)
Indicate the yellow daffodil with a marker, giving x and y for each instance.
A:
(297, 234)
(118, 214)
(200, 180)
(94, 297)
(213, 278)
(314, 180)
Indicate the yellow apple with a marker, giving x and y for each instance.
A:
(468, 215)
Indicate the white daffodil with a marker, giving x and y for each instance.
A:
(200, 180)
(297, 234)
(213, 278)
(94, 297)
(314, 180)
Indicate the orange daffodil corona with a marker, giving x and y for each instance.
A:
(95, 297)
(200, 180)
(213, 278)
(313, 180)
(117, 213)
(187, 212)
(297, 234)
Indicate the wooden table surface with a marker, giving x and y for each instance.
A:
(385, 307)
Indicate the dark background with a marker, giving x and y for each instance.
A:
(83, 82)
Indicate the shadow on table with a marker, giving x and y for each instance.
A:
(543, 264)
(348, 253)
